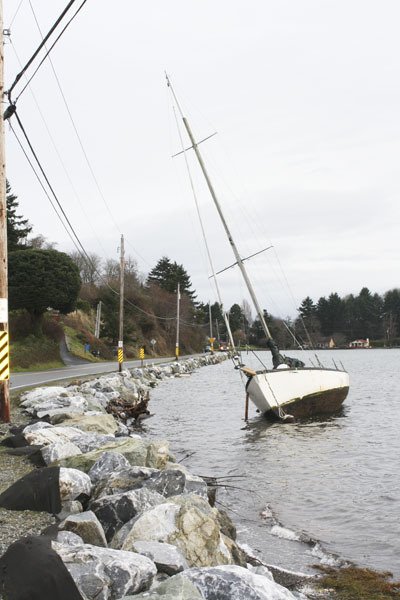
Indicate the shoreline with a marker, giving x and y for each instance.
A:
(28, 523)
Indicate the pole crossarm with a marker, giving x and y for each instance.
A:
(197, 143)
(243, 259)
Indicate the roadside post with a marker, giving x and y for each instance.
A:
(211, 340)
(141, 355)
(120, 355)
(4, 352)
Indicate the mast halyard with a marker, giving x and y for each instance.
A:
(218, 207)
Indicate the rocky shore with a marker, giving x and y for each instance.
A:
(95, 511)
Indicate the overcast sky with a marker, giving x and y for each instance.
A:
(304, 95)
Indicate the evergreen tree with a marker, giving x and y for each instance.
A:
(17, 228)
(168, 274)
(42, 279)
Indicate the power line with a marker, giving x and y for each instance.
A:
(34, 55)
(50, 49)
(43, 187)
(82, 146)
(59, 155)
(15, 14)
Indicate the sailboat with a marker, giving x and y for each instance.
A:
(289, 390)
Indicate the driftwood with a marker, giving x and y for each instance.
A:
(123, 410)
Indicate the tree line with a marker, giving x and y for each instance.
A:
(41, 277)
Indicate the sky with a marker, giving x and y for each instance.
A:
(303, 95)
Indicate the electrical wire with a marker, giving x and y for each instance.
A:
(38, 49)
(59, 156)
(97, 185)
(15, 14)
(50, 49)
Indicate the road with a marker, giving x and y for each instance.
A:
(21, 380)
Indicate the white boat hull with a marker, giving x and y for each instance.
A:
(300, 392)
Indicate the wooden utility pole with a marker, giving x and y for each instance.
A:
(121, 306)
(98, 321)
(4, 358)
(178, 299)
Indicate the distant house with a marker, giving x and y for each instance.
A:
(360, 344)
(326, 343)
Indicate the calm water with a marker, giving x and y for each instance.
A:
(301, 493)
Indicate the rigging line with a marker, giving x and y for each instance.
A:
(50, 186)
(43, 187)
(81, 250)
(201, 222)
(50, 49)
(38, 49)
(60, 158)
(81, 143)
(15, 14)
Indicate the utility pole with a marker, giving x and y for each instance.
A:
(4, 353)
(211, 331)
(178, 298)
(121, 306)
(98, 320)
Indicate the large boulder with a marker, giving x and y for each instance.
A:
(74, 484)
(116, 510)
(123, 480)
(97, 423)
(87, 526)
(189, 523)
(228, 582)
(176, 479)
(104, 573)
(167, 558)
(136, 451)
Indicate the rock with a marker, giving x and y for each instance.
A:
(108, 463)
(53, 452)
(175, 480)
(231, 582)
(38, 490)
(44, 436)
(189, 523)
(73, 483)
(122, 481)
(226, 524)
(87, 526)
(104, 573)
(31, 569)
(100, 423)
(167, 558)
(156, 524)
(68, 538)
(174, 588)
(116, 510)
(69, 507)
(136, 451)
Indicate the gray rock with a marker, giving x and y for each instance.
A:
(69, 507)
(174, 588)
(231, 582)
(176, 479)
(68, 538)
(73, 483)
(167, 558)
(87, 526)
(108, 463)
(53, 452)
(104, 573)
(116, 510)
(122, 481)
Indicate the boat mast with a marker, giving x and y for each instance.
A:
(218, 207)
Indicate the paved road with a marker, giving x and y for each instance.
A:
(21, 380)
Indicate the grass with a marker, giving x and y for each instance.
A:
(352, 583)
(76, 345)
(34, 354)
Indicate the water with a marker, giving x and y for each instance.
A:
(321, 491)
